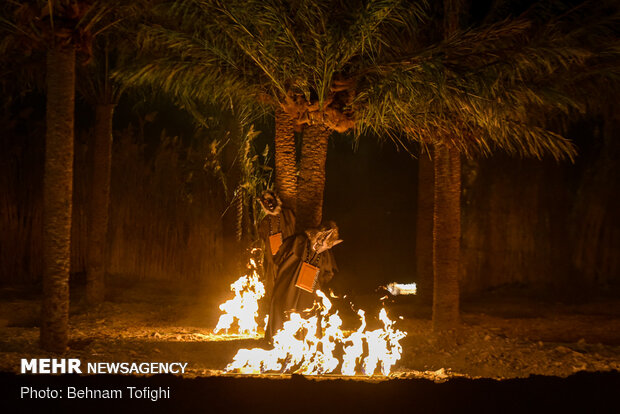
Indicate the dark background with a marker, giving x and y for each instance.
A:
(528, 226)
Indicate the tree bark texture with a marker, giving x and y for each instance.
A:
(311, 182)
(446, 237)
(57, 198)
(447, 214)
(99, 204)
(424, 227)
(286, 162)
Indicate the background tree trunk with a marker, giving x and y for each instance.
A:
(286, 163)
(99, 204)
(424, 227)
(57, 198)
(311, 182)
(446, 237)
(447, 214)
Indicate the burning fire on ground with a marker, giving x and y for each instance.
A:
(243, 308)
(317, 345)
(311, 345)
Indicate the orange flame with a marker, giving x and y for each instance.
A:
(243, 308)
(298, 349)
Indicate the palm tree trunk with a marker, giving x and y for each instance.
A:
(311, 177)
(447, 215)
(424, 227)
(57, 196)
(446, 237)
(99, 204)
(286, 164)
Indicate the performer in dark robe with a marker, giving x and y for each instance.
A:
(277, 225)
(304, 263)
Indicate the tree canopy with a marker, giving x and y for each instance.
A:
(372, 66)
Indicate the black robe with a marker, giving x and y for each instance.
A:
(286, 296)
(281, 223)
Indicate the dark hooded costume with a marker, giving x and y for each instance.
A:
(276, 226)
(292, 293)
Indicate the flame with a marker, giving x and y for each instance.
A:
(308, 346)
(402, 288)
(244, 306)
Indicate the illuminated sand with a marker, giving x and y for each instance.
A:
(164, 324)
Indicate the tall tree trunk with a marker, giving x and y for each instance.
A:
(446, 237)
(311, 177)
(447, 215)
(57, 198)
(99, 204)
(286, 164)
(424, 227)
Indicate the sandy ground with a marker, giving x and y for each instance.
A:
(507, 338)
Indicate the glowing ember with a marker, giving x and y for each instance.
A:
(243, 308)
(309, 346)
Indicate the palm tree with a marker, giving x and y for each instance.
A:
(57, 196)
(55, 27)
(102, 93)
(447, 212)
(110, 51)
(446, 236)
(484, 89)
(63, 29)
(291, 58)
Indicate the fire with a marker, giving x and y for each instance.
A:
(402, 288)
(309, 346)
(243, 308)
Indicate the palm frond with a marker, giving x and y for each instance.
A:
(496, 87)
